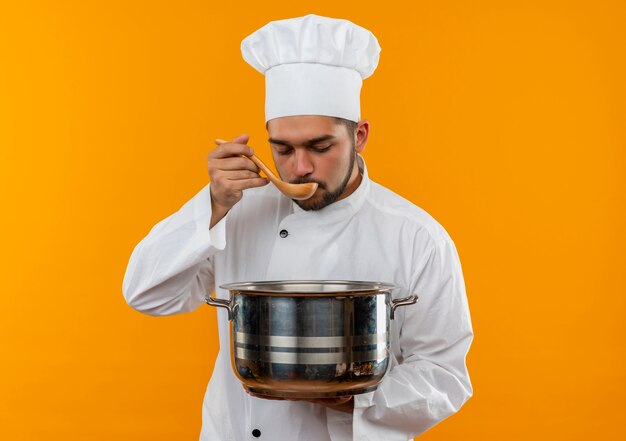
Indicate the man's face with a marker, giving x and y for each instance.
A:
(312, 148)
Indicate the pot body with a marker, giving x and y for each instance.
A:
(295, 343)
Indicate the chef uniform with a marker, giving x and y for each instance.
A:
(373, 234)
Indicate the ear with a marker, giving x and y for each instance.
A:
(361, 134)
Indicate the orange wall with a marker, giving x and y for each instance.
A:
(504, 120)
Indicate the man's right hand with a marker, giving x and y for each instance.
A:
(230, 174)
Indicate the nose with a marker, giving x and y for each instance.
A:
(302, 165)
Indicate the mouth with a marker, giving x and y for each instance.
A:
(320, 185)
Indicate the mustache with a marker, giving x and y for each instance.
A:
(306, 180)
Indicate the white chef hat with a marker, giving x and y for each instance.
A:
(312, 65)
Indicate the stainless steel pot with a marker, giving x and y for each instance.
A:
(310, 339)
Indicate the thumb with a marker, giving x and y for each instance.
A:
(241, 139)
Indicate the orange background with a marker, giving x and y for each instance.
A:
(505, 121)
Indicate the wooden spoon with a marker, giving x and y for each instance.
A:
(293, 191)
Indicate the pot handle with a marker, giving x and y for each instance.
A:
(221, 303)
(402, 302)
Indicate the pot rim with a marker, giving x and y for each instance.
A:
(309, 287)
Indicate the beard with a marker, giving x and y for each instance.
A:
(329, 196)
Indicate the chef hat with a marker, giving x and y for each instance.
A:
(313, 65)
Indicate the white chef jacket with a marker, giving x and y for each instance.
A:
(372, 235)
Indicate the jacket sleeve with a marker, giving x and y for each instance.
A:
(431, 381)
(170, 271)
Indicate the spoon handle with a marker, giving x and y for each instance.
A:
(264, 167)
(272, 177)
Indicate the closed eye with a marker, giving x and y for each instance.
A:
(321, 149)
(284, 151)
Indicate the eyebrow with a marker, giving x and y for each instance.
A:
(307, 143)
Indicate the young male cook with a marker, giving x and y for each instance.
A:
(240, 229)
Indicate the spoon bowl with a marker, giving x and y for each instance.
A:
(294, 191)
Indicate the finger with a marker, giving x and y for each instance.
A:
(230, 149)
(236, 163)
(244, 184)
(241, 139)
(238, 175)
